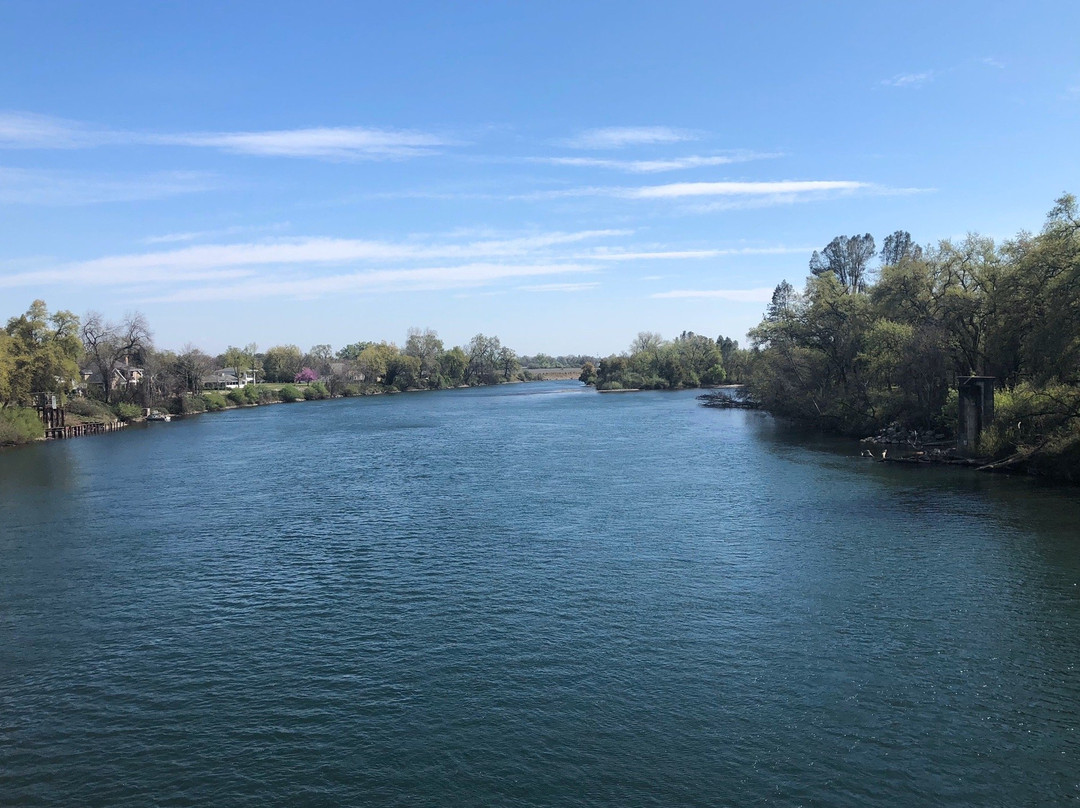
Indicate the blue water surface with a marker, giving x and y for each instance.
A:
(530, 595)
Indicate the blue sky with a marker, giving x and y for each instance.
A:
(562, 175)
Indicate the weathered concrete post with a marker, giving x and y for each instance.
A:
(976, 410)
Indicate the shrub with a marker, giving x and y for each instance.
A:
(290, 393)
(265, 395)
(91, 409)
(237, 397)
(189, 405)
(126, 412)
(316, 390)
(214, 401)
(19, 425)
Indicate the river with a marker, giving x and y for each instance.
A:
(530, 595)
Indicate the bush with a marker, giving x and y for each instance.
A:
(290, 393)
(214, 401)
(187, 405)
(126, 412)
(316, 390)
(265, 395)
(19, 425)
(90, 409)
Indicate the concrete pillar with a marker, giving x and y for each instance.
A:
(976, 410)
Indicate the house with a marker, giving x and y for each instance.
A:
(123, 376)
(226, 379)
(348, 371)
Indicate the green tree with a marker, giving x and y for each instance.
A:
(281, 363)
(426, 347)
(847, 258)
(38, 354)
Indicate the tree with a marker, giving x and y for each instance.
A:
(426, 347)
(483, 360)
(899, 246)
(374, 361)
(648, 343)
(242, 360)
(846, 257)
(354, 350)
(452, 364)
(784, 300)
(190, 366)
(38, 354)
(108, 344)
(508, 363)
(318, 358)
(281, 363)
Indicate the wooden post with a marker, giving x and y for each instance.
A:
(976, 410)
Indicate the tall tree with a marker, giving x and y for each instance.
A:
(899, 246)
(108, 344)
(426, 347)
(848, 258)
(38, 354)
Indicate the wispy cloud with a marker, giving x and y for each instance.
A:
(684, 189)
(648, 255)
(199, 235)
(617, 137)
(910, 79)
(656, 166)
(333, 143)
(38, 187)
(560, 287)
(26, 130)
(23, 130)
(425, 279)
(761, 295)
(680, 190)
(230, 261)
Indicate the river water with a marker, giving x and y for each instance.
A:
(528, 595)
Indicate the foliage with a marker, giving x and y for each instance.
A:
(289, 393)
(305, 376)
(39, 353)
(652, 363)
(90, 409)
(126, 411)
(315, 391)
(19, 425)
(214, 401)
(853, 355)
(188, 405)
(281, 363)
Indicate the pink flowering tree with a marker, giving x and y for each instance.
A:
(306, 376)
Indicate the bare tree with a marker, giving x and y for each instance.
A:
(109, 345)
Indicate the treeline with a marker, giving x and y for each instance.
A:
(111, 369)
(653, 363)
(863, 346)
(543, 360)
